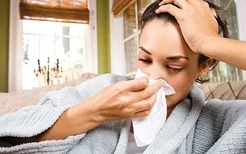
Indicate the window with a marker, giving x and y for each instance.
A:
(53, 52)
(224, 72)
(132, 25)
(81, 15)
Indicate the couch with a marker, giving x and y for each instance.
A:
(10, 102)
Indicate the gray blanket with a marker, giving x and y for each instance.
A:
(192, 127)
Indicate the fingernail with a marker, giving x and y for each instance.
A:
(161, 3)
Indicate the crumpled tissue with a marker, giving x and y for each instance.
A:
(147, 128)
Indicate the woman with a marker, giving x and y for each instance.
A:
(95, 117)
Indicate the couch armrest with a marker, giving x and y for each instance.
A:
(10, 102)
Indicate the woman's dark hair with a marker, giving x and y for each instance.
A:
(149, 15)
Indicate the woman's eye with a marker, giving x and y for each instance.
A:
(144, 60)
(175, 69)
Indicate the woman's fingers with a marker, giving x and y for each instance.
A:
(148, 92)
(182, 2)
(173, 10)
(143, 100)
(129, 97)
(163, 2)
(138, 84)
(179, 3)
(198, 3)
(120, 102)
(195, 3)
(143, 105)
(196, 20)
(206, 11)
(138, 88)
(141, 114)
(132, 85)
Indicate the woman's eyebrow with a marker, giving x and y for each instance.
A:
(169, 58)
(177, 57)
(143, 49)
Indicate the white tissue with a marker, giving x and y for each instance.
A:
(147, 128)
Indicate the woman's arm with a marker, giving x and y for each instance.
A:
(63, 117)
(76, 120)
(230, 51)
(200, 30)
(123, 100)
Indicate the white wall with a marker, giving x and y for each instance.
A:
(116, 43)
(241, 18)
(15, 48)
(91, 56)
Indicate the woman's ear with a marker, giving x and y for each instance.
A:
(205, 67)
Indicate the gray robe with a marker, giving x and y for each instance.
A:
(192, 127)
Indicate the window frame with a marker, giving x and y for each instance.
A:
(55, 36)
(117, 37)
(53, 26)
(241, 11)
(15, 48)
(118, 63)
(16, 51)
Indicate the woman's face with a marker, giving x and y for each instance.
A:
(164, 54)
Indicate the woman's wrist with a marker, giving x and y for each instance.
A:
(83, 116)
(207, 44)
(74, 121)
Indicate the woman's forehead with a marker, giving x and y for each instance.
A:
(165, 37)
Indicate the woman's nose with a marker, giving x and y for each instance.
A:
(156, 73)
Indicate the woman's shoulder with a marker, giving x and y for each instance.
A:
(218, 106)
(221, 123)
(224, 109)
(222, 113)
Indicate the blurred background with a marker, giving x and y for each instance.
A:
(47, 42)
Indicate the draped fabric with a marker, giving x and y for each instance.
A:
(120, 5)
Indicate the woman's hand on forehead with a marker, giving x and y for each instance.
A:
(196, 20)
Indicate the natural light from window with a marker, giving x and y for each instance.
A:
(53, 52)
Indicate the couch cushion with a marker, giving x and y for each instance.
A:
(225, 90)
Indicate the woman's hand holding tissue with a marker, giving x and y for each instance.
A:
(125, 100)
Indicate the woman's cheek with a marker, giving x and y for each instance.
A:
(181, 87)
